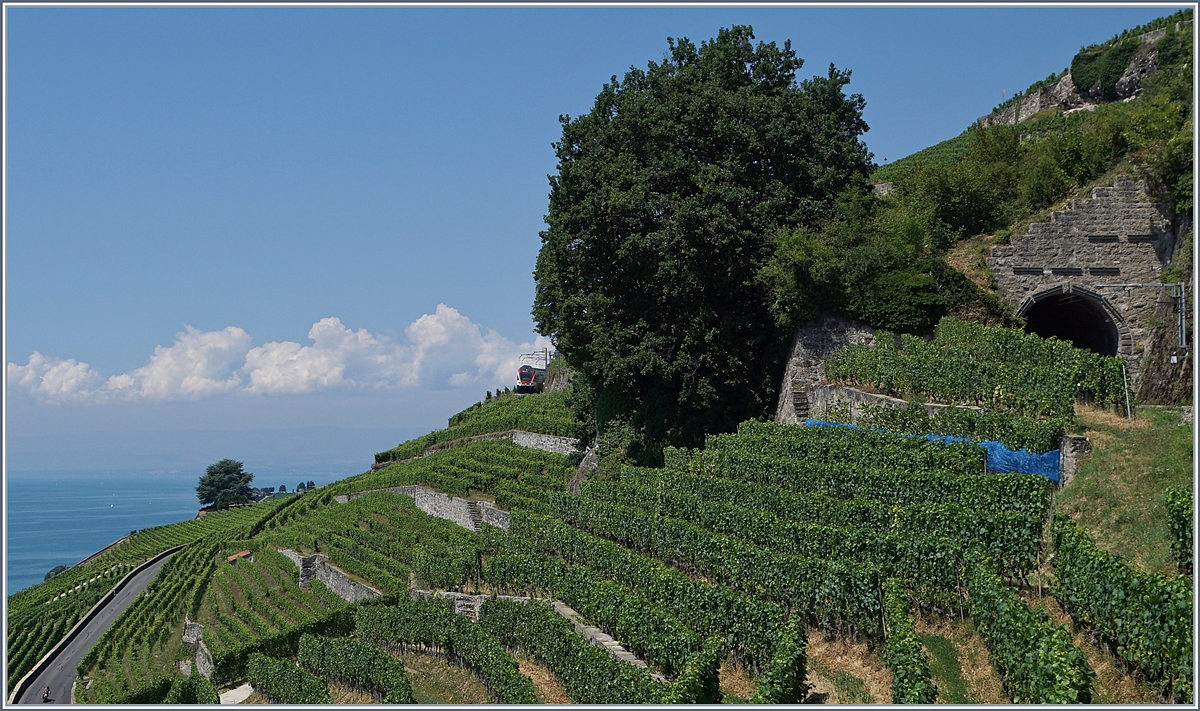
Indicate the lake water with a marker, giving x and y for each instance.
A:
(61, 518)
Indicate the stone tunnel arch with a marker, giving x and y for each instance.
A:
(1082, 316)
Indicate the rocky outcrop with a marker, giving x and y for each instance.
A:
(1064, 95)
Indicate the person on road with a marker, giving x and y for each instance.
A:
(45, 694)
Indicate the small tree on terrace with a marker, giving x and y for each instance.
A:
(224, 483)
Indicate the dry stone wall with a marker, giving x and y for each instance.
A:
(544, 442)
(468, 514)
(815, 341)
(316, 566)
(821, 398)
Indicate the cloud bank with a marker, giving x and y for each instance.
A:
(445, 350)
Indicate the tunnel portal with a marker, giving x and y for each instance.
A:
(1076, 318)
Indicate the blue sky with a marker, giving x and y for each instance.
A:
(265, 223)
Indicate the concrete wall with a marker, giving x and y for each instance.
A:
(815, 341)
(1117, 236)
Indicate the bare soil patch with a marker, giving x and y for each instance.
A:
(546, 685)
(844, 672)
(736, 683)
(983, 684)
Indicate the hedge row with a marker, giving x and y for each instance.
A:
(1013, 431)
(1147, 616)
(281, 681)
(547, 413)
(912, 682)
(929, 558)
(194, 689)
(1020, 493)
(860, 448)
(589, 673)
(358, 664)
(1035, 658)
(432, 626)
(230, 664)
(1179, 521)
(1011, 538)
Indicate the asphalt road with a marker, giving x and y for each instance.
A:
(61, 673)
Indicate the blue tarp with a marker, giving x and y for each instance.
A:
(999, 457)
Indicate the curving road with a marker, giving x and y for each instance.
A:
(60, 675)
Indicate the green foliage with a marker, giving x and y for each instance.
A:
(668, 195)
(545, 413)
(194, 689)
(700, 682)
(514, 475)
(381, 537)
(1035, 658)
(283, 682)
(620, 510)
(588, 673)
(224, 483)
(912, 682)
(841, 594)
(432, 626)
(359, 664)
(1013, 431)
(1100, 69)
(1147, 616)
(644, 626)
(1180, 515)
(998, 368)
(783, 679)
(1009, 537)
(749, 625)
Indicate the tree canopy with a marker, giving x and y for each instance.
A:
(224, 483)
(669, 195)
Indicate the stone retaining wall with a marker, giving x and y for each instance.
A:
(544, 442)
(451, 508)
(823, 397)
(815, 341)
(317, 566)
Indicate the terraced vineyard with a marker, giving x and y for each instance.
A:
(732, 554)
(546, 413)
(39, 616)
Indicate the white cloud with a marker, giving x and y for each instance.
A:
(52, 378)
(198, 364)
(445, 350)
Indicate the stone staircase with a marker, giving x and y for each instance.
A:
(475, 513)
(799, 401)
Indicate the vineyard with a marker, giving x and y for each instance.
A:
(1029, 384)
(39, 616)
(512, 476)
(731, 557)
(546, 413)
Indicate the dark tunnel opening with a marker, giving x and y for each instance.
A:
(1074, 318)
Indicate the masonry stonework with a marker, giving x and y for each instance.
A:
(815, 341)
(1117, 236)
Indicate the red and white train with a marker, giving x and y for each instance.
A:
(531, 373)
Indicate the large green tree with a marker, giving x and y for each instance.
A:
(669, 195)
(224, 483)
